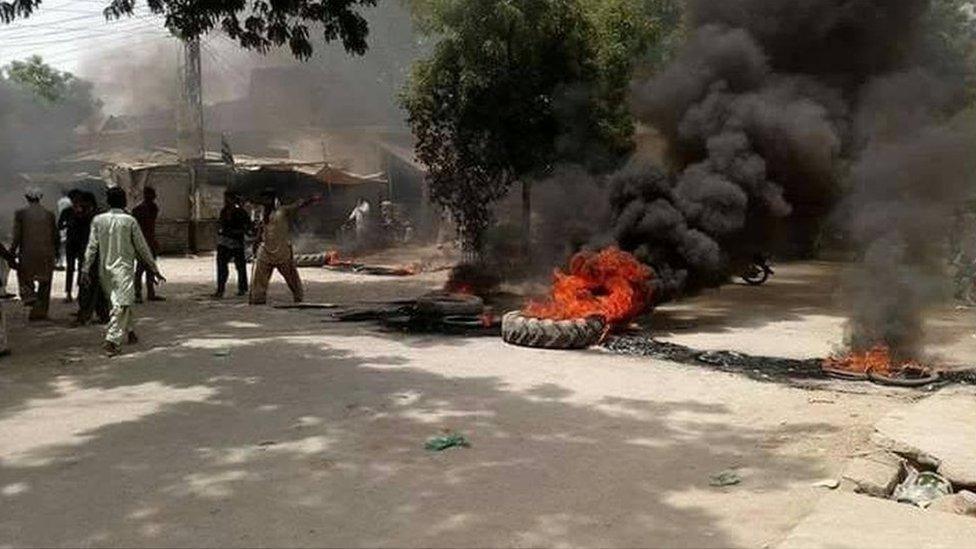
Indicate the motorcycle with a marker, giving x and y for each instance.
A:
(758, 271)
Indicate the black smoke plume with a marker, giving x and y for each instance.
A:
(771, 112)
(916, 168)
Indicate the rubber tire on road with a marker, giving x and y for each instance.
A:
(526, 331)
(441, 304)
(310, 260)
(932, 377)
(758, 277)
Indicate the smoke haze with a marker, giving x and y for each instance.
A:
(916, 168)
(773, 110)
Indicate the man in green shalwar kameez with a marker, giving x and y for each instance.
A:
(117, 241)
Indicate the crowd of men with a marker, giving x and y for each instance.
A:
(111, 255)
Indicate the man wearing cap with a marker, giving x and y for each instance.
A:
(37, 245)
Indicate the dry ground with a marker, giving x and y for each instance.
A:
(232, 425)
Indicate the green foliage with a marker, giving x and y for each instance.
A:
(255, 24)
(44, 81)
(949, 42)
(630, 35)
(40, 108)
(515, 87)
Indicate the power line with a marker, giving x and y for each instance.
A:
(88, 16)
(222, 64)
(70, 55)
(41, 22)
(75, 38)
(55, 27)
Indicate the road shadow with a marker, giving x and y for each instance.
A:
(254, 433)
(794, 292)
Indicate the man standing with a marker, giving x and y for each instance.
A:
(275, 250)
(117, 241)
(71, 227)
(360, 217)
(37, 244)
(146, 213)
(235, 224)
(10, 260)
(91, 298)
(64, 204)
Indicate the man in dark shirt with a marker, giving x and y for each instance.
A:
(91, 299)
(37, 244)
(235, 225)
(146, 213)
(75, 239)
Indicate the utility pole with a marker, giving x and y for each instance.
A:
(190, 146)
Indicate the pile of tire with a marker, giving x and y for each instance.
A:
(543, 333)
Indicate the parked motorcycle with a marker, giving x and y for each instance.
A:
(758, 271)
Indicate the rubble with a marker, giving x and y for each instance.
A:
(960, 503)
(842, 519)
(445, 441)
(939, 431)
(874, 475)
(921, 488)
(729, 477)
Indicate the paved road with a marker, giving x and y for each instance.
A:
(240, 426)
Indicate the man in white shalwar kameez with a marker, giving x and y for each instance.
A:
(117, 241)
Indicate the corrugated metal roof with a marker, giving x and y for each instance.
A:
(159, 157)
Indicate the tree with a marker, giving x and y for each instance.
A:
(44, 81)
(41, 108)
(255, 24)
(948, 46)
(515, 87)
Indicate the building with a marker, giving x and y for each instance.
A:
(190, 197)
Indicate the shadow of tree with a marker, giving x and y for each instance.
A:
(268, 434)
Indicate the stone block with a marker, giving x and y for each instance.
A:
(842, 521)
(875, 475)
(940, 431)
(960, 503)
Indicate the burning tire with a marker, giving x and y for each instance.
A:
(526, 331)
(310, 260)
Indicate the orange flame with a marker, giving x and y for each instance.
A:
(612, 284)
(459, 288)
(877, 360)
(332, 258)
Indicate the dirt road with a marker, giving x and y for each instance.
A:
(238, 426)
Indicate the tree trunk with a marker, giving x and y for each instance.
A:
(526, 217)
(472, 252)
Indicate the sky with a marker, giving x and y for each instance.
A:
(131, 61)
(66, 31)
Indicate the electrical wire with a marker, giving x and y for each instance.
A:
(108, 45)
(79, 37)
